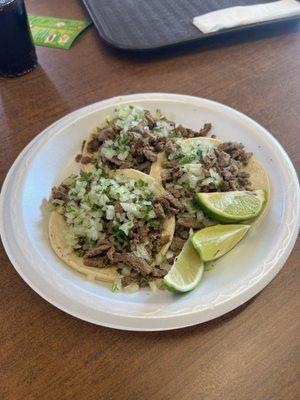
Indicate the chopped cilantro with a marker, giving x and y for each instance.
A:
(70, 208)
(173, 133)
(80, 253)
(123, 139)
(199, 154)
(149, 196)
(186, 160)
(119, 235)
(144, 281)
(153, 224)
(140, 183)
(86, 176)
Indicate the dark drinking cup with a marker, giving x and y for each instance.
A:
(17, 52)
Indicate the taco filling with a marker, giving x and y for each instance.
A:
(132, 137)
(201, 165)
(116, 223)
(120, 220)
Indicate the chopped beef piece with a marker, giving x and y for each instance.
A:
(186, 132)
(226, 174)
(171, 174)
(182, 232)
(106, 134)
(93, 145)
(169, 204)
(86, 160)
(161, 242)
(160, 144)
(158, 273)
(171, 199)
(175, 192)
(209, 161)
(170, 147)
(139, 230)
(127, 280)
(97, 262)
(233, 184)
(223, 158)
(177, 244)
(121, 163)
(138, 159)
(159, 211)
(151, 137)
(154, 236)
(166, 206)
(60, 192)
(236, 151)
(177, 173)
(100, 247)
(170, 164)
(135, 262)
(189, 222)
(204, 131)
(137, 147)
(150, 120)
(78, 157)
(149, 154)
(167, 176)
(213, 136)
(118, 207)
(144, 167)
(112, 256)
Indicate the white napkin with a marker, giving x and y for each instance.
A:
(244, 15)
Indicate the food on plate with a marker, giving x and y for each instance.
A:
(132, 137)
(113, 227)
(214, 241)
(232, 206)
(146, 208)
(186, 272)
(205, 165)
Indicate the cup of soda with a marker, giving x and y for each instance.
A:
(17, 52)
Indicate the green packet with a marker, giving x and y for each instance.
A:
(55, 32)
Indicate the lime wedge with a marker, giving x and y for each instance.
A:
(232, 206)
(186, 272)
(215, 241)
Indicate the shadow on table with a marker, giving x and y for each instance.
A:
(210, 43)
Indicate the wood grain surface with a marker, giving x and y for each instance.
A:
(251, 353)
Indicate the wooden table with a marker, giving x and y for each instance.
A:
(250, 353)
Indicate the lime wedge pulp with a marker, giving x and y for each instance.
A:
(215, 241)
(186, 272)
(232, 206)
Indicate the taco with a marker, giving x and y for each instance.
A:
(132, 138)
(107, 226)
(197, 165)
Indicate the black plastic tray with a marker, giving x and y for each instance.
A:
(140, 25)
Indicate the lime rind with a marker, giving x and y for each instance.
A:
(174, 287)
(251, 203)
(187, 271)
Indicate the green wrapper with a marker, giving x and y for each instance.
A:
(55, 32)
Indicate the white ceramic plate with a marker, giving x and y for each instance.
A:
(236, 277)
